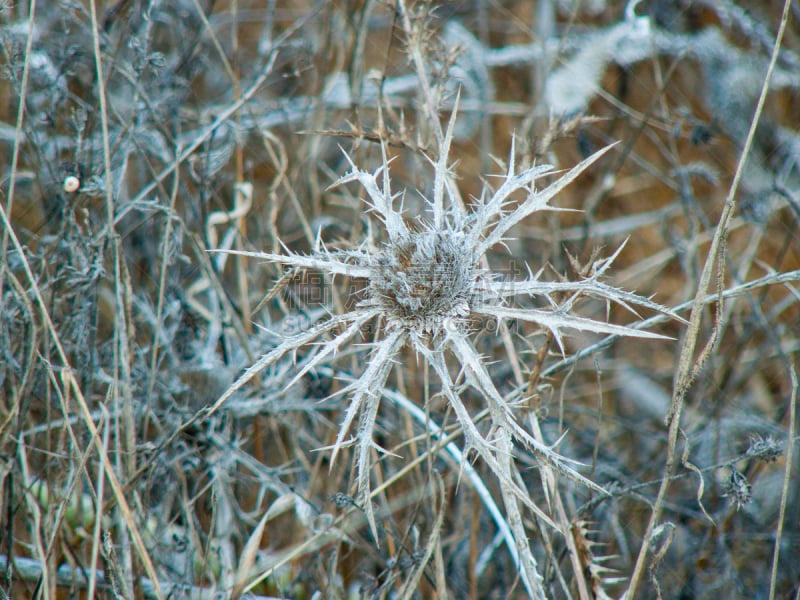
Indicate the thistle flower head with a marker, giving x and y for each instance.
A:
(424, 281)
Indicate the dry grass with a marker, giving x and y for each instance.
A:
(139, 136)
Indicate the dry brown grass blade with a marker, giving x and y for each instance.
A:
(687, 364)
(434, 542)
(791, 442)
(248, 556)
(69, 383)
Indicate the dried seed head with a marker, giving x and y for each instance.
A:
(425, 280)
(767, 449)
(738, 489)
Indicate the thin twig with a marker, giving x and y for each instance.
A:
(787, 476)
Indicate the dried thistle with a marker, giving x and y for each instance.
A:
(738, 488)
(424, 287)
(767, 449)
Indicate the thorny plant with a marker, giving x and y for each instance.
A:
(424, 286)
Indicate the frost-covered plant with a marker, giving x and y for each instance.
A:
(425, 286)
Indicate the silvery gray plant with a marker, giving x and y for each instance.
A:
(425, 286)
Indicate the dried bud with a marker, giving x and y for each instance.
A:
(738, 489)
(767, 449)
